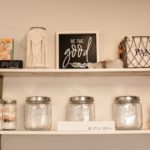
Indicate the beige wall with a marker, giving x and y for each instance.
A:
(114, 19)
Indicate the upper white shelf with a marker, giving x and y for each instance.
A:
(74, 72)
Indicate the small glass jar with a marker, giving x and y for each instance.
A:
(38, 113)
(81, 108)
(128, 113)
(9, 114)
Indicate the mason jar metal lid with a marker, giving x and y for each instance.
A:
(81, 100)
(38, 100)
(127, 99)
(9, 101)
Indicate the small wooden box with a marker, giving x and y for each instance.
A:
(11, 64)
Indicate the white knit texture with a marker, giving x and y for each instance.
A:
(37, 49)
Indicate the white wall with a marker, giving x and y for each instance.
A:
(114, 19)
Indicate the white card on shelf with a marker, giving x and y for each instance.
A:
(86, 126)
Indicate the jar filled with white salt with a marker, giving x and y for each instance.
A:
(128, 113)
(81, 108)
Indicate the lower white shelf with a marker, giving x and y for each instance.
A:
(116, 132)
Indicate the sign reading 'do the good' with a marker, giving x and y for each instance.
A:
(76, 50)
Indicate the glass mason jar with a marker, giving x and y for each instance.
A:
(81, 108)
(37, 44)
(128, 112)
(38, 113)
(9, 114)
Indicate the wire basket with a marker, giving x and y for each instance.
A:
(135, 51)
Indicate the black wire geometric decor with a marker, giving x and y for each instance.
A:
(135, 52)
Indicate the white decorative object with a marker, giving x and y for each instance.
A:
(86, 126)
(106, 64)
(37, 48)
(114, 63)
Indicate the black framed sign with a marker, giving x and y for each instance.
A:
(75, 49)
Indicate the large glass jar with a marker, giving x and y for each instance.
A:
(81, 108)
(37, 113)
(128, 112)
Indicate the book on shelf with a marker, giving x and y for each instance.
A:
(86, 126)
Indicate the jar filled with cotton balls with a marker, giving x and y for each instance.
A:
(128, 113)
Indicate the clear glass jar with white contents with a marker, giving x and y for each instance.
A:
(128, 113)
(81, 108)
(38, 113)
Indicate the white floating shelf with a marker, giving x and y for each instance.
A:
(75, 72)
(116, 132)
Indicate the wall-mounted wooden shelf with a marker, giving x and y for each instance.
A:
(74, 72)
